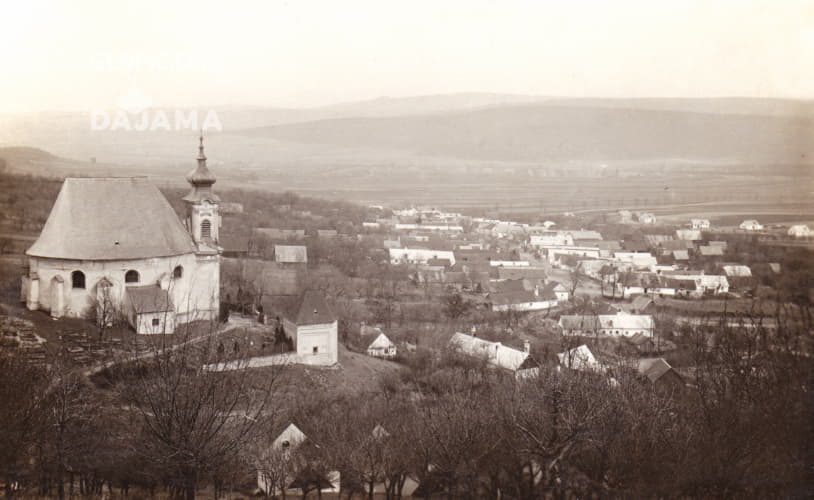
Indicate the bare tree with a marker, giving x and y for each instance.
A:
(21, 392)
(194, 418)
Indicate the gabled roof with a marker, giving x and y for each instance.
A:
(641, 302)
(512, 297)
(313, 310)
(681, 255)
(381, 342)
(710, 251)
(289, 254)
(579, 358)
(626, 321)
(579, 322)
(654, 368)
(149, 299)
(511, 273)
(494, 352)
(111, 219)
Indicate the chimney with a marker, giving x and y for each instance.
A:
(526, 346)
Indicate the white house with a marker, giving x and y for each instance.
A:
(700, 223)
(639, 260)
(646, 218)
(116, 244)
(619, 324)
(279, 469)
(800, 231)
(580, 358)
(313, 327)
(689, 234)
(496, 354)
(736, 270)
(419, 255)
(382, 347)
(751, 225)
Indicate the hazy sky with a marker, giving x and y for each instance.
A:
(84, 54)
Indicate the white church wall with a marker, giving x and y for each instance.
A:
(195, 295)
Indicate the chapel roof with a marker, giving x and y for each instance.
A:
(111, 218)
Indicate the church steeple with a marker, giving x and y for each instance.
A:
(201, 179)
(203, 220)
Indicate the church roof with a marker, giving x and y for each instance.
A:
(111, 219)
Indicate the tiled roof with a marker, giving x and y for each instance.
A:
(111, 219)
(290, 254)
(149, 299)
(313, 310)
(654, 368)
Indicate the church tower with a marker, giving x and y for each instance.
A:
(203, 219)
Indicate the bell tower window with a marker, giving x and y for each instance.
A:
(206, 230)
(178, 272)
(131, 276)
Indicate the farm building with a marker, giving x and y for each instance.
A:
(496, 354)
(581, 359)
(700, 223)
(619, 324)
(800, 231)
(751, 225)
(382, 347)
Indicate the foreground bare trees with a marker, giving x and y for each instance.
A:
(167, 425)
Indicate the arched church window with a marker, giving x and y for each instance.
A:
(206, 229)
(78, 279)
(131, 276)
(178, 272)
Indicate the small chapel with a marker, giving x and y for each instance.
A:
(113, 248)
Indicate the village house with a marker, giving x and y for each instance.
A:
(620, 324)
(581, 359)
(646, 218)
(751, 225)
(496, 354)
(737, 270)
(310, 324)
(276, 234)
(291, 255)
(116, 244)
(800, 231)
(689, 234)
(711, 251)
(639, 260)
(551, 238)
(382, 347)
(523, 300)
(659, 372)
(700, 223)
(283, 476)
(419, 255)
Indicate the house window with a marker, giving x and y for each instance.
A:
(178, 272)
(156, 321)
(316, 349)
(131, 276)
(206, 229)
(78, 279)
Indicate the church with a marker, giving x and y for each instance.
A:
(114, 249)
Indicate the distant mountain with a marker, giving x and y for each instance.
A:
(426, 104)
(25, 154)
(559, 130)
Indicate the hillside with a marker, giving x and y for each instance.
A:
(540, 132)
